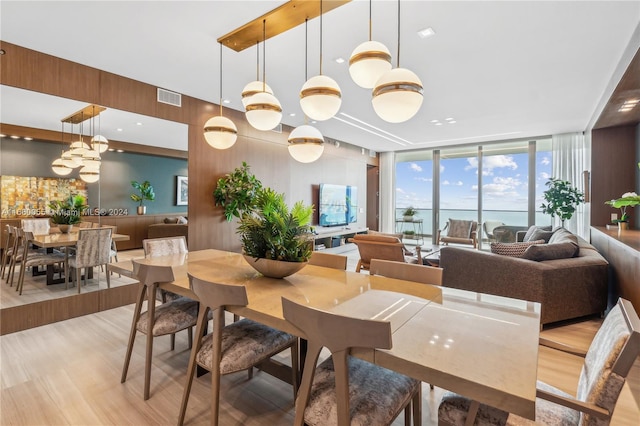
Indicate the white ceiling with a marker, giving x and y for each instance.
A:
(502, 70)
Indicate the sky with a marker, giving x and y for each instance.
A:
(504, 185)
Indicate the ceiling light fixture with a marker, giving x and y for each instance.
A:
(320, 96)
(369, 61)
(59, 166)
(397, 95)
(426, 33)
(256, 86)
(263, 110)
(306, 143)
(220, 132)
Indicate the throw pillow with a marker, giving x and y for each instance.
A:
(170, 220)
(551, 251)
(541, 234)
(513, 249)
(459, 228)
(528, 236)
(561, 235)
(181, 220)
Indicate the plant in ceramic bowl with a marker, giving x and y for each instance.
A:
(67, 212)
(628, 199)
(409, 213)
(273, 232)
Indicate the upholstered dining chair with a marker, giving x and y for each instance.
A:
(229, 349)
(345, 390)
(459, 232)
(168, 318)
(328, 260)
(382, 247)
(406, 271)
(29, 258)
(8, 250)
(607, 363)
(36, 226)
(92, 249)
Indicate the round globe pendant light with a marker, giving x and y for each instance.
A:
(60, 168)
(369, 61)
(252, 88)
(90, 174)
(320, 96)
(220, 132)
(264, 111)
(306, 144)
(398, 95)
(91, 158)
(70, 160)
(100, 143)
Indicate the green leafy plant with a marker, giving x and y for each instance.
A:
(628, 199)
(68, 210)
(409, 211)
(145, 192)
(237, 192)
(273, 231)
(561, 199)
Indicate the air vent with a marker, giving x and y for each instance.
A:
(372, 153)
(277, 129)
(171, 98)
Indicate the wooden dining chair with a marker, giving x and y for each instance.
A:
(377, 246)
(29, 258)
(406, 271)
(168, 318)
(328, 260)
(345, 390)
(92, 249)
(236, 347)
(8, 250)
(607, 363)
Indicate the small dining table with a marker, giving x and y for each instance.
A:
(481, 346)
(60, 239)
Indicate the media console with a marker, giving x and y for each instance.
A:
(324, 235)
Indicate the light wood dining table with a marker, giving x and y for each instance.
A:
(60, 239)
(481, 346)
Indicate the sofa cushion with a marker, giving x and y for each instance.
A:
(513, 249)
(459, 228)
(551, 251)
(561, 235)
(538, 233)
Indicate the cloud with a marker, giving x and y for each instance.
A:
(441, 168)
(491, 162)
(446, 182)
(545, 175)
(400, 190)
(415, 167)
(423, 179)
(459, 183)
(545, 161)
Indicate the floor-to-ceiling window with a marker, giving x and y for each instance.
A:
(508, 190)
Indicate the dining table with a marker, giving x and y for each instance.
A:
(64, 239)
(481, 346)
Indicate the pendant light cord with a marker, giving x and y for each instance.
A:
(398, 60)
(220, 78)
(320, 37)
(370, 20)
(264, 55)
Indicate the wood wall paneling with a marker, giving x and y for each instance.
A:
(613, 170)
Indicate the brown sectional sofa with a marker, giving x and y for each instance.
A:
(168, 229)
(566, 288)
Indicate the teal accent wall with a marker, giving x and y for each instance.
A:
(113, 190)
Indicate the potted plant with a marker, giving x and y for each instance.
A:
(66, 212)
(276, 240)
(237, 192)
(145, 193)
(408, 214)
(628, 199)
(561, 199)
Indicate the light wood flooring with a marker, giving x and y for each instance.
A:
(68, 373)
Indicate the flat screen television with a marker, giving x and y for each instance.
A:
(338, 204)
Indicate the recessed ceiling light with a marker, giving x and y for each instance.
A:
(426, 33)
(27, 138)
(3, 136)
(435, 121)
(119, 130)
(119, 150)
(452, 121)
(15, 137)
(340, 60)
(449, 119)
(292, 114)
(138, 124)
(314, 122)
(438, 124)
(111, 149)
(226, 101)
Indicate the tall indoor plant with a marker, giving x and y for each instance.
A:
(237, 192)
(561, 198)
(145, 193)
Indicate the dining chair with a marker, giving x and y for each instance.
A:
(607, 363)
(459, 232)
(386, 247)
(8, 250)
(29, 259)
(232, 348)
(406, 271)
(92, 249)
(345, 390)
(168, 318)
(328, 260)
(36, 226)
